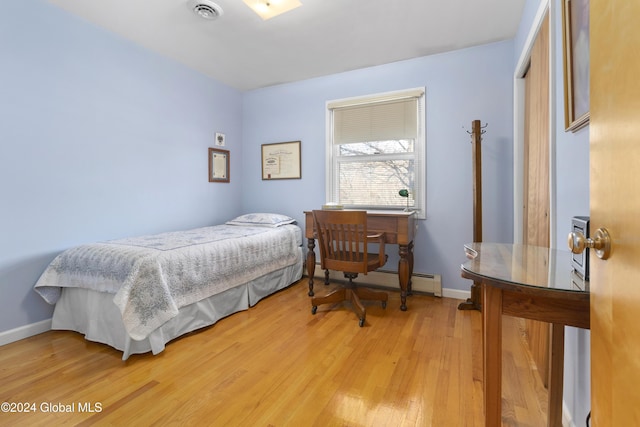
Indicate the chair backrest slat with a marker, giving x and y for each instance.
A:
(342, 237)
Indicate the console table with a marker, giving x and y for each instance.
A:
(530, 282)
(399, 227)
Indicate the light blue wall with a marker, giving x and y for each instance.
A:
(571, 168)
(99, 139)
(460, 86)
(572, 198)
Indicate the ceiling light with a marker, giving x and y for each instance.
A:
(267, 9)
(206, 9)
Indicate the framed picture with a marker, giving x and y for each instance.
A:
(575, 43)
(281, 160)
(218, 165)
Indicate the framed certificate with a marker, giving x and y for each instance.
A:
(218, 165)
(281, 160)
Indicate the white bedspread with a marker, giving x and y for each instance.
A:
(152, 277)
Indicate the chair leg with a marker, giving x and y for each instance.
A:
(358, 307)
(335, 296)
(369, 294)
(354, 295)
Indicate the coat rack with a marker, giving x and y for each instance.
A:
(476, 133)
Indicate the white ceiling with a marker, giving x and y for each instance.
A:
(319, 38)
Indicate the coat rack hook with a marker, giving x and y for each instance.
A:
(482, 131)
(482, 127)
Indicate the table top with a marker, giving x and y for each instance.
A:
(523, 265)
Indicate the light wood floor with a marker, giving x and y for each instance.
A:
(278, 365)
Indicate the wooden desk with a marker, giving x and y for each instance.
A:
(399, 227)
(530, 282)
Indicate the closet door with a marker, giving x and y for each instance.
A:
(536, 176)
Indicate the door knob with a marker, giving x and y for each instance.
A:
(601, 242)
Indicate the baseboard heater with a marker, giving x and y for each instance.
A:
(423, 283)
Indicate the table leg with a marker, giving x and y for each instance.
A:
(556, 372)
(405, 267)
(311, 263)
(410, 284)
(472, 303)
(492, 351)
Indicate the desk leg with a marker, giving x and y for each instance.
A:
(311, 264)
(405, 269)
(492, 351)
(556, 375)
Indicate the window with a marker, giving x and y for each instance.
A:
(376, 147)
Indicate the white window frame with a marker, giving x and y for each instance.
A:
(418, 193)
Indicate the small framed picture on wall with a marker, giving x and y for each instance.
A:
(218, 165)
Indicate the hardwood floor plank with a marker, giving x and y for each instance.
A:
(276, 364)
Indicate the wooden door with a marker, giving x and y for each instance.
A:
(536, 151)
(615, 204)
(536, 177)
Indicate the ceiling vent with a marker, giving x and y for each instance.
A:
(206, 9)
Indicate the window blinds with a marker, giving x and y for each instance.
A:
(376, 119)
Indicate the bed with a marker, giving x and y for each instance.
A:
(137, 294)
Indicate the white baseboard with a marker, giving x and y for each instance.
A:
(26, 331)
(456, 293)
(427, 283)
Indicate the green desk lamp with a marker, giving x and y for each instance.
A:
(405, 193)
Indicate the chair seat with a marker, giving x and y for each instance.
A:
(373, 263)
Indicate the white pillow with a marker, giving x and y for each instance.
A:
(261, 220)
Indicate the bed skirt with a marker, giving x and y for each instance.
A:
(95, 315)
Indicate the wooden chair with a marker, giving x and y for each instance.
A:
(343, 240)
